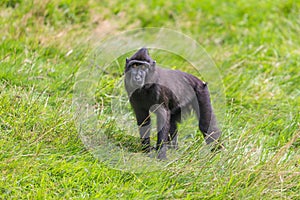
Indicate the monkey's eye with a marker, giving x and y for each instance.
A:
(143, 67)
(134, 66)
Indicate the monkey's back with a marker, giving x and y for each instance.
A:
(180, 83)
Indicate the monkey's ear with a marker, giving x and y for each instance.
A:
(127, 60)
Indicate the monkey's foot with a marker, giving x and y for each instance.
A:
(216, 146)
(162, 153)
(145, 143)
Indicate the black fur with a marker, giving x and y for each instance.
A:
(169, 93)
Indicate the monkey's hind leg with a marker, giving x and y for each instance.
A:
(173, 136)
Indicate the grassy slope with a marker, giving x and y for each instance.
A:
(254, 44)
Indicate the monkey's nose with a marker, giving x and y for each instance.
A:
(138, 78)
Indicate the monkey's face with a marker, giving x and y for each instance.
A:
(138, 70)
(138, 74)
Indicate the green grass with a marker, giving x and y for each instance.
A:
(255, 46)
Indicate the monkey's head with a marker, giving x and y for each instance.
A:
(139, 68)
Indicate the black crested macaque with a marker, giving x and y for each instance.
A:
(169, 94)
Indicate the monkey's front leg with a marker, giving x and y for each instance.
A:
(145, 137)
(163, 127)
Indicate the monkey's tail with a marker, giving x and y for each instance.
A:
(207, 119)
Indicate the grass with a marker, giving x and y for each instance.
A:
(254, 44)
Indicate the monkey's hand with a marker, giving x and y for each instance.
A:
(146, 147)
